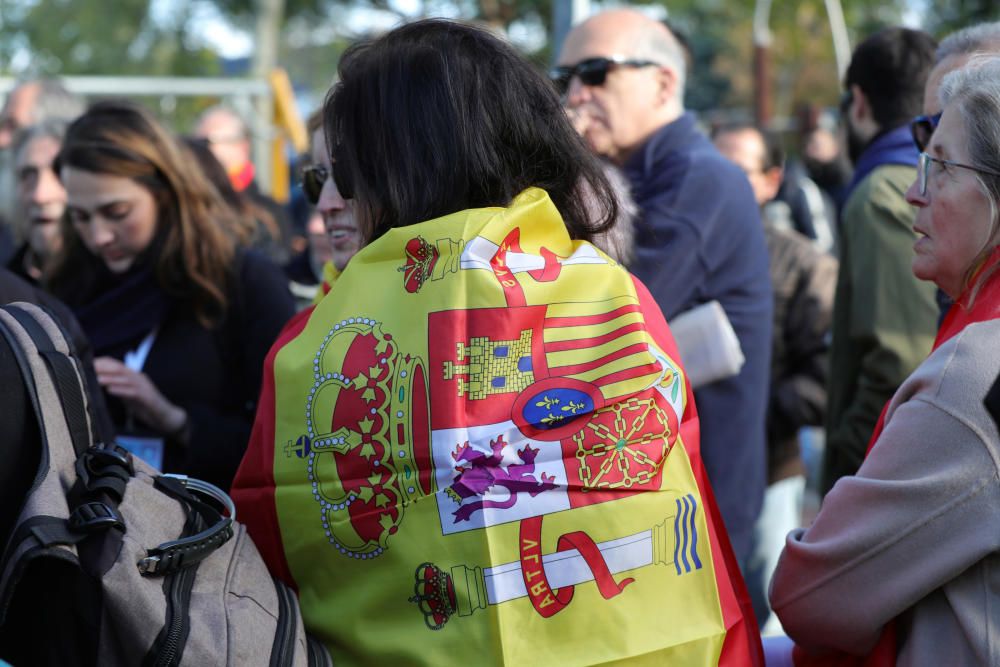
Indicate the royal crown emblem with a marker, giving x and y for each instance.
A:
(429, 261)
(367, 448)
(434, 594)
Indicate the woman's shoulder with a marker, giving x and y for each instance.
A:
(260, 285)
(958, 374)
(252, 267)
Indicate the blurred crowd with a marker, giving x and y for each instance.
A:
(814, 283)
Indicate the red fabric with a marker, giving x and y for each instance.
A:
(742, 644)
(253, 488)
(985, 305)
(242, 177)
(546, 601)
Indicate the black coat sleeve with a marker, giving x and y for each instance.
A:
(260, 305)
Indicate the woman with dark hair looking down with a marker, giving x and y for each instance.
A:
(179, 318)
(485, 413)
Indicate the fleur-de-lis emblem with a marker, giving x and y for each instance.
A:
(547, 402)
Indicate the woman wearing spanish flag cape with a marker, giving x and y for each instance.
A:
(480, 446)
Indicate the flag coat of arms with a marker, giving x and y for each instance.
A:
(480, 447)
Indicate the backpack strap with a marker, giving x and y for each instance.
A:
(102, 471)
(64, 371)
(45, 371)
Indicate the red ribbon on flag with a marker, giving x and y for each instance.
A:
(546, 601)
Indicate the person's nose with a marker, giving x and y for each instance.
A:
(7, 129)
(48, 188)
(913, 196)
(577, 93)
(100, 232)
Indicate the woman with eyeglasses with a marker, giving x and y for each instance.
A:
(479, 447)
(179, 317)
(902, 564)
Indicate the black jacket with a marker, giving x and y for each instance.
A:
(804, 280)
(214, 374)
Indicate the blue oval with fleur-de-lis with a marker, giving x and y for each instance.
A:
(555, 407)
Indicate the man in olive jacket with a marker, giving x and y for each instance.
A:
(884, 318)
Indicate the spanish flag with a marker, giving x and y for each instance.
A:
(480, 447)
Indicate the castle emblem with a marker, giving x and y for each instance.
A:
(483, 367)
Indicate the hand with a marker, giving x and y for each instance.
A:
(140, 395)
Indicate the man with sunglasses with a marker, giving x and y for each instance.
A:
(699, 236)
(884, 319)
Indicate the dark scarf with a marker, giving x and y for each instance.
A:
(893, 147)
(123, 310)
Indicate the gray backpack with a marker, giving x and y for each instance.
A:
(128, 566)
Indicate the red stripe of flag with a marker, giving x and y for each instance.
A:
(582, 343)
(597, 363)
(627, 374)
(253, 489)
(586, 320)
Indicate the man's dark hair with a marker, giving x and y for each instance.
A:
(891, 68)
(437, 117)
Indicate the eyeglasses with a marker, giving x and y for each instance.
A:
(922, 128)
(592, 71)
(924, 164)
(313, 180)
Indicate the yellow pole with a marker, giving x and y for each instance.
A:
(289, 126)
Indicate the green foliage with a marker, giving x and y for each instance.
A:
(242, 12)
(945, 16)
(803, 68)
(123, 37)
(100, 38)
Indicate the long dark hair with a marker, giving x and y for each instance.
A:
(437, 117)
(193, 250)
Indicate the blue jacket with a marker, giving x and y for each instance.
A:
(700, 238)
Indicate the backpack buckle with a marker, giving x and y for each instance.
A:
(101, 457)
(93, 516)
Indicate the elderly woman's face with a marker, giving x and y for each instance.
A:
(953, 221)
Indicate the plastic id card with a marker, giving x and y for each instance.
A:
(149, 450)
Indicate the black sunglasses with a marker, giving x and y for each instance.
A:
(313, 179)
(592, 71)
(922, 128)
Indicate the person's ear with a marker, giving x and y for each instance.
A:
(667, 83)
(860, 108)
